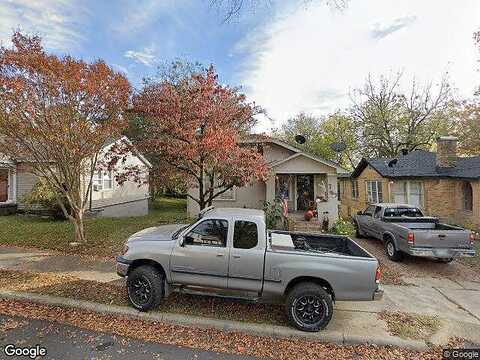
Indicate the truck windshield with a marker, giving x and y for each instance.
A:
(176, 233)
(399, 212)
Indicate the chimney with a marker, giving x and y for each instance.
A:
(446, 151)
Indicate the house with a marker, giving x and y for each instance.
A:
(297, 175)
(442, 183)
(108, 198)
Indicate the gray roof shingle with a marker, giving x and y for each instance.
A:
(421, 163)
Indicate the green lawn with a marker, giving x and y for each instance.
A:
(105, 236)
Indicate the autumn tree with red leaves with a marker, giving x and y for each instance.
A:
(56, 113)
(193, 127)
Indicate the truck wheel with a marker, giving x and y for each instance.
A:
(145, 287)
(309, 307)
(392, 252)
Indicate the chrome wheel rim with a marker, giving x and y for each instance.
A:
(309, 310)
(390, 249)
(140, 291)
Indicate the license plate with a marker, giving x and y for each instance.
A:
(442, 253)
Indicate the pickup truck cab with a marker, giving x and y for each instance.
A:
(231, 249)
(405, 230)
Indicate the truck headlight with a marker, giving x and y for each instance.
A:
(125, 249)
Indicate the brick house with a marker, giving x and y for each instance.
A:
(442, 184)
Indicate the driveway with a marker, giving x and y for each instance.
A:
(415, 267)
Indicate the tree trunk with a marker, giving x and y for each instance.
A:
(78, 227)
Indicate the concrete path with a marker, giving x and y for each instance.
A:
(43, 261)
(456, 303)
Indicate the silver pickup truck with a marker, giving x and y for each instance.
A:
(405, 230)
(231, 249)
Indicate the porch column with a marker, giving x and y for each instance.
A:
(270, 189)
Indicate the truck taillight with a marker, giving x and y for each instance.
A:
(410, 238)
(472, 238)
(378, 275)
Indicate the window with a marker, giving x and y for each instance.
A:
(467, 196)
(245, 235)
(107, 180)
(408, 192)
(378, 210)
(339, 190)
(209, 233)
(354, 189)
(103, 180)
(369, 211)
(374, 192)
(397, 212)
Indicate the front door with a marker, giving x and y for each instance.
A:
(305, 191)
(3, 185)
(203, 258)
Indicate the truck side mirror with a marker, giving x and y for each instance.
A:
(360, 212)
(182, 241)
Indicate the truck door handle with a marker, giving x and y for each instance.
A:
(219, 255)
(442, 235)
(236, 256)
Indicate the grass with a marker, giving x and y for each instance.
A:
(473, 262)
(410, 326)
(105, 236)
(114, 293)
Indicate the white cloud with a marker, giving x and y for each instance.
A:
(145, 56)
(58, 22)
(380, 30)
(309, 59)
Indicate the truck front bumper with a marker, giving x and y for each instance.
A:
(122, 266)
(378, 294)
(441, 253)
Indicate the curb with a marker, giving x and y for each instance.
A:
(276, 331)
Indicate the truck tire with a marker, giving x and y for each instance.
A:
(309, 307)
(391, 250)
(358, 234)
(145, 287)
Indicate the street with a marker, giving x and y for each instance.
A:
(68, 342)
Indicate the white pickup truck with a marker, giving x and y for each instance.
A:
(231, 249)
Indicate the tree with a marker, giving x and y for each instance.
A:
(321, 133)
(468, 117)
(194, 128)
(233, 8)
(56, 114)
(162, 177)
(389, 120)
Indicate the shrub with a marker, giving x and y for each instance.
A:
(274, 214)
(343, 227)
(42, 199)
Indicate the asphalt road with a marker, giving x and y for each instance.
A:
(68, 342)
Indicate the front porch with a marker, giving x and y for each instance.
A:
(303, 192)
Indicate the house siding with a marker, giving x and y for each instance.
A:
(25, 182)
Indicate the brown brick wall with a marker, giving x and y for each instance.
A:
(443, 198)
(349, 206)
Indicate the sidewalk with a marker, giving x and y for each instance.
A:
(457, 304)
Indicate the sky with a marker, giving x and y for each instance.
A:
(288, 56)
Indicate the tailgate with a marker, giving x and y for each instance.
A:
(442, 238)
